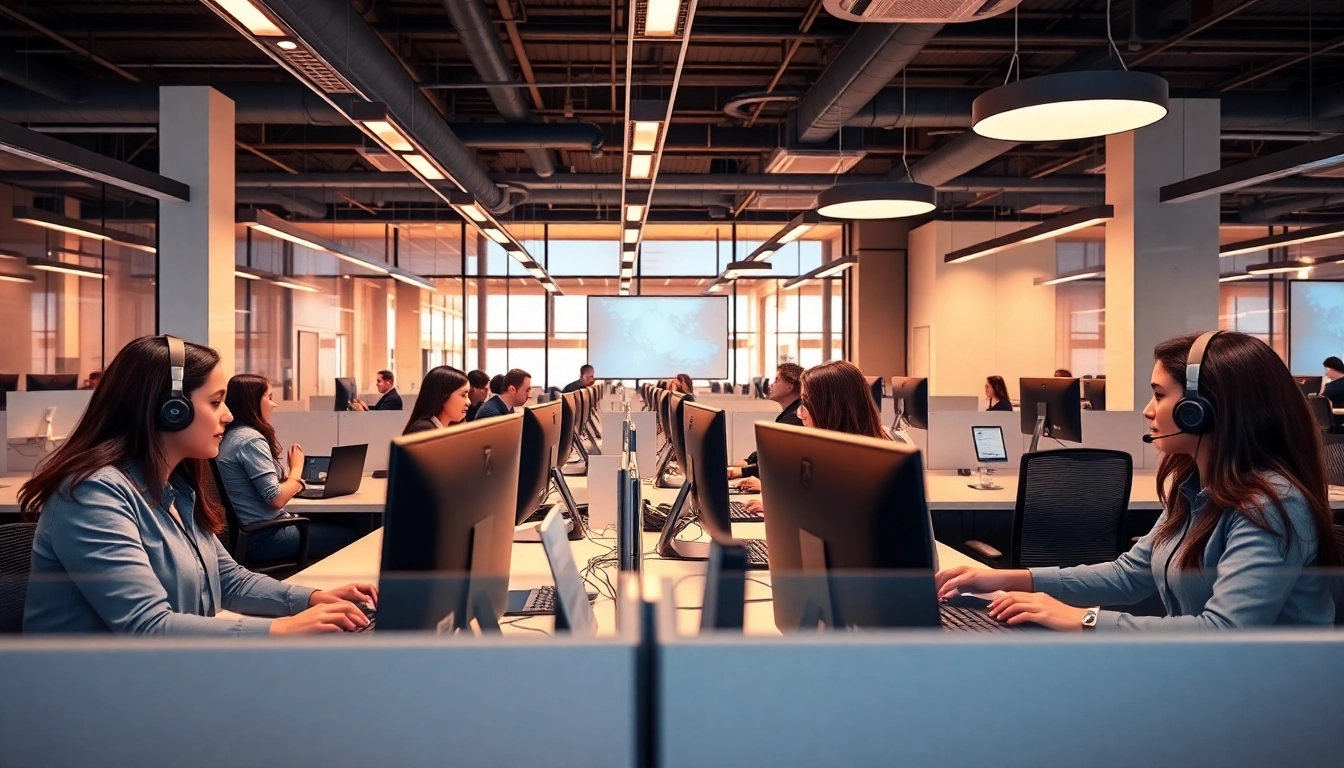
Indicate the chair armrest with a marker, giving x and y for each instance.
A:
(279, 522)
(984, 552)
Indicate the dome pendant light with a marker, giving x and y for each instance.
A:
(1070, 105)
(877, 200)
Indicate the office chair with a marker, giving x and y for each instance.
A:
(1334, 459)
(714, 387)
(1320, 408)
(1071, 506)
(235, 537)
(16, 555)
(1337, 582)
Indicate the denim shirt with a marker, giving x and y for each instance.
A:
(251, 475)
(108, 559)
(1250, 577)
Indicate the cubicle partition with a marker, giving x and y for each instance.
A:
(375, 428)
(316, 432)
(26, 426)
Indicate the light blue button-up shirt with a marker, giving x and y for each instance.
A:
(108, 559)
(251, 475)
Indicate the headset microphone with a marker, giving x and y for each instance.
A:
(1149, 438)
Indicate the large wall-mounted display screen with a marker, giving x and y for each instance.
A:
(658, 337)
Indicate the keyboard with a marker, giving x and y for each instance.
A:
(738, 513)
(540, 600)
(758, 555)
(311, 492)
(958, 619)
(540, 514)
(371, 614)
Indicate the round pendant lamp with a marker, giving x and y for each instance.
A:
(1070, 105)
(877, 200)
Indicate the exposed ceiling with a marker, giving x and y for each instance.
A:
(1278, 65)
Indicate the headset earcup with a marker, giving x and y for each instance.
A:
(1193, 415)
(175, 414)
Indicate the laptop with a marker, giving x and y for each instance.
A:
(336, 475)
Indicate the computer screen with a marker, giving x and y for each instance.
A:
(448, 525)
(989, 445)
(1310, 385)
(346, 392)
(47, 382)
(705, 450)
(541, 433)
(1315, 322)
(1063, 407)
(912, 399)
(652, 337)
(877, 389)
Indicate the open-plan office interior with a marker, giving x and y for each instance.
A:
(671, 382)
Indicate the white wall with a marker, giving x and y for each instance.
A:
(984, 316)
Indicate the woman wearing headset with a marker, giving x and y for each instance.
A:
(1246, 518)
(126, 541)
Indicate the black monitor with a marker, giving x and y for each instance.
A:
(1056, 405)
(452, 498)
(704, 441)
(629, 520)
(51, 382)
(725, 586)
(536, 457)
(676, 428)
(9, 382)
(850, 537)
(1094, 392)
(565, 446)
(1311, 385)
(877, 390)
(911, 396)
(346, 393)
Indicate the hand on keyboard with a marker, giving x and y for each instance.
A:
(1014, 608)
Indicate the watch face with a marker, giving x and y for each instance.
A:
(1090, 618)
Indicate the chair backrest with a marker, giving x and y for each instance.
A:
(16, 557)
(1320, 408)
(229, 536)
(1071, 507)
(1337, 587)
(1334, 459)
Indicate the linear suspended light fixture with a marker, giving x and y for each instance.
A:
(739, 269)
(11, 255)
(1279, 267)
(17, 278)
(877, 200)
(251, 17)
(661, 18)
(829, 269)
(1070, 105)
(1311, 156)
(1088, 273)
(294, 285)
(1059, 225)
(1296, 237)
(1232, 277)
(373, 115)
(796, 227)
(402, 276)
(247, 273)
(72, 226)
(65, 268)
(270, 224)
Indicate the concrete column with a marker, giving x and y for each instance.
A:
(1161, 258)
(481, 292)
(196, 238)
(66, 340)
(406, 338)
(879, 296)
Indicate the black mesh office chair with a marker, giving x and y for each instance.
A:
(1071, 506)
(16, 555)
(235, 538)
(1337, 585)
(1320, 408)
(1334, 459)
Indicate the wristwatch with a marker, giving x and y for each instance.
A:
(1090, 618)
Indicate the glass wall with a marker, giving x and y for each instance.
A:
(1080, 310)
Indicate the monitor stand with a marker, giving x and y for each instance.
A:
(668, 545)
(1040, 427)
(576, 528)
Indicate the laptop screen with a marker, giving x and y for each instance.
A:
(315, 469)
(989, 445)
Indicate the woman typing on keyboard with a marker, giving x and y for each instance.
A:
(1246, 520)
(257, 483)
(125, 540)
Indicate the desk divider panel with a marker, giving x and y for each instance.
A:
(322, 403)
(949, 438)
(376, 428)
(25, 418)
(954, 403)
(316, 431)
(1117, 431)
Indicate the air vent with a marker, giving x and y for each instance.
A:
(316, 71)
(1045, 209)
(783, 201)
(918, 11)
(785, 160)
(382, 159)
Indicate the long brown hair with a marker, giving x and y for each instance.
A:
(120, 428)
(1261, 425)
(837, 397)
(439, 384)
(243, 398)
(997, 386)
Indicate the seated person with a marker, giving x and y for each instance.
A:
(515, 391)
(1333, 389)
(683, 384)
(445, 398)
(1244, 525)
(836, 396)
(997, 394)
(586, 379)
(256, 481)
(120, 505)
(783, 390)
(480, 391)
(390, 400)
(1063, 373)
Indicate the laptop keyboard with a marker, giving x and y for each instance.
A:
(311, 493)
(958, 619)
(738, 513)
(541, 600)
(758, 554)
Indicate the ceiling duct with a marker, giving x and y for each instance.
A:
(918, 11)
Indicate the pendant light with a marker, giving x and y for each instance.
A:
(1070, 105)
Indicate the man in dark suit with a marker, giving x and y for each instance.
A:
(479, 393)
(1334, 384)
(390, 400)
(517, 389)
(786, 390)
(586, 379)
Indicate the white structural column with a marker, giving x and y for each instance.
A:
(406, 338)
(196, 238)
(1161, 258)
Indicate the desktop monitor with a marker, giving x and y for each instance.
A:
(676, 429)
(877, 390)
(989, 445)
(850, 537)
(346, 393)
(1311, 385)
(725, 586)
(1094, 392)
(9, 382)
(1060, 398)
(705, 446)
(536, 456)
(568, 416)
(48, 382)
(452, 497)
(629, 520)
(911, 395)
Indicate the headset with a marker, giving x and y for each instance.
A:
(1193, 413)
(175, 412)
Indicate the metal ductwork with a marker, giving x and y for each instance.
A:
(337, 34)
(923, 108)
(956, 158)
(299, 206)
(418, 194)
(585, 137)
(24, 72)
(872, 57)
(138, 104)
(477, 35)
(1269, 210)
